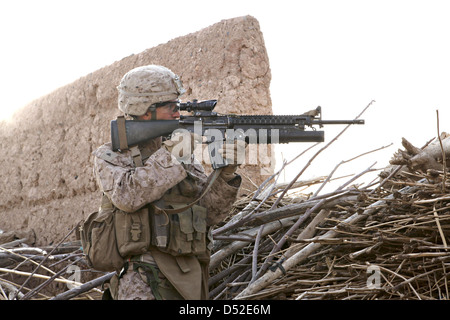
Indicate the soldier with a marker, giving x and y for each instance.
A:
(162, 197)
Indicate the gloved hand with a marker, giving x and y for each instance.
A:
(182, 145)
(234, 154)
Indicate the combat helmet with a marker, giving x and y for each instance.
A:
(145, 86)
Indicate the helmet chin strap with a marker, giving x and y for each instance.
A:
(153, 112)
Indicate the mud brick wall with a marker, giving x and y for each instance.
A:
(46, 179)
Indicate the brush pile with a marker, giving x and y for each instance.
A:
(43, 273)
(385, 241)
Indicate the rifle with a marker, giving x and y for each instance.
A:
(217, 128)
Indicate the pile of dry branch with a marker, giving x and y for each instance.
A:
(57, 272)
(387, 240)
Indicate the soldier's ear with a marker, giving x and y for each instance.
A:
(146, 116)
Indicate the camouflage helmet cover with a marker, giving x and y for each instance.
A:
(144, 86)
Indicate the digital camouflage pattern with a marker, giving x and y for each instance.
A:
(130, 188)
(146, 85)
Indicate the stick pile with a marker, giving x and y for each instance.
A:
(43, 273)
(375, 245)
(387, 240)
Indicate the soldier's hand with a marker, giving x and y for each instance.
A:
(234, 154)
(181, 145)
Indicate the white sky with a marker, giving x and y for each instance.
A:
(336, 54)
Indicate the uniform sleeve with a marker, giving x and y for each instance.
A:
(219, 200)
(129, 188)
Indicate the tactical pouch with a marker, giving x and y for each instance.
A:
(98, 238)
(160, 228)
(132, 232)
(132, 229)
(187, 234)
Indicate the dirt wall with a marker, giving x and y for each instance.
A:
(46, 179)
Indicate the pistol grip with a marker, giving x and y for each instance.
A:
(217, 161)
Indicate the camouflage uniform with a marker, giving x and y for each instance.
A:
(175, 265)
(131, 188)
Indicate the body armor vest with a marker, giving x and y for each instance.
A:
(175, 224)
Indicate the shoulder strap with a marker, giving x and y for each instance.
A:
(137, 157)
(178, 210)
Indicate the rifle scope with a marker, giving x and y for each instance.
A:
(195, 105)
